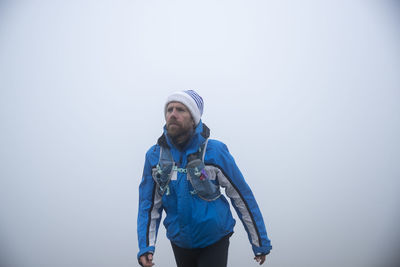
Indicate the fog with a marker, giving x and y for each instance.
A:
(305, 94)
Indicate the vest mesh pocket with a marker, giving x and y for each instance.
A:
(201, 182)
(162, 175)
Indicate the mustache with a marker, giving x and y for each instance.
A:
(172, 121)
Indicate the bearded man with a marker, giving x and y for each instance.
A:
(183, 175)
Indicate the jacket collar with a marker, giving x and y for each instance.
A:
(201, 133)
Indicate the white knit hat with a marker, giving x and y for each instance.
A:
(191, 100)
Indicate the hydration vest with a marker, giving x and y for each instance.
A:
(195, 170)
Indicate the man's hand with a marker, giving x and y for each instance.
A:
(146, 260)
(260, 259)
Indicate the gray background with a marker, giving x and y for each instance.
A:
(305, 94)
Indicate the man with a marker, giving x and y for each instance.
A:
(183, 174)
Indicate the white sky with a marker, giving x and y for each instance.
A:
(305, 94)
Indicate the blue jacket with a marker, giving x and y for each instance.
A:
(192, 222)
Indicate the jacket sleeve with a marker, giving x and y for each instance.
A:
(243, 201)
(149, 212)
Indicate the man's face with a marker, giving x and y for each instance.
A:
(178, 119)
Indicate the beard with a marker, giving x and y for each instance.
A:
(176, 129)
(178, 132)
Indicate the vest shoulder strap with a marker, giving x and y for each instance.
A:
(204, 148)
(166, 155)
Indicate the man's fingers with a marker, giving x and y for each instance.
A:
(260, 259)
(147, 260)
(150, 259)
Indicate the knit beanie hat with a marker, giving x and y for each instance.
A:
(191, 100)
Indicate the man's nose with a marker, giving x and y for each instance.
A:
(173, 113)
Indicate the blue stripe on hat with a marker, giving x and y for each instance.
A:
(198, 99)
